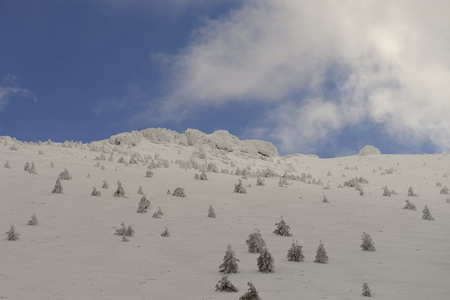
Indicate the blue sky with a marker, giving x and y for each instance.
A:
(316, 77)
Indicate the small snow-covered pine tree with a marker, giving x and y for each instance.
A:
(95, 193)
(12, 235)
(144, 204)
(105, 185)
(366, 291)
(409, 205)
(321, 254)
(427, 214)
(251, 294)
(165, 233)
(224, 285)
(32, 169)
(259, 182)
(265, 261)
(255, 242)
(179, 192)
(411, 192)
(229, 264)
(386, 192)
(367, 243)
(445, 190)
(140, 190)
(158, 213)
(325, 200)
(239, 188)
(295, 253)
(26, 168)
(120, 192)
(34, 220)
(7, 166)
(126, 231)
(211, 212)
(149, 174)
(58, 187)
(282, 228)
(65, 175)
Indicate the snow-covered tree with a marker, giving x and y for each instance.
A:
(65, 175)
(255, 242)
(411, 192)
(158, 213)
(325, 200)
(149, 174)
(427, 214)
(366, 291)
(295, 253)
(26, 168)
(251, 294)
(12, 235)
(229, 264)
(140, 190)
(259, 182)
(32, 169)
(367, 243)
(282, 228)
(33, 220)
(168, 192)
(7, 166)
(211, 212)
(144, 204)
(126, 231)
(445, 190)
(165, 233)
(265, 261)
(321, 254)
(58, 187)
(96, 193)
(224, 285)
(105, 185)
(386, 192)
(409, 205)
(179, 192)
(239, 188)
(120, 192)
(202, 176)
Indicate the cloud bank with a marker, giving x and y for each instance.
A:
(321, 67)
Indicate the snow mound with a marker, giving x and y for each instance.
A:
(369, 150)
(218, 140)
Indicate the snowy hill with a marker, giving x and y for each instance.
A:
(73, 253)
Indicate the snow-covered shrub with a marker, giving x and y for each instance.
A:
(239, 188)
(33, 220)
(125, 239)
(165, 233)
(447, 200)
(7, 166)
(427, 214)
(224, 285)
(32, 169)
(295, 253)
(366, 291)
(255, 242)
(179, 192)
(26, 168)
(386, 192)
(438, 184)
(251, 294)
(121, 160)
(229, 264)
(140, 190)
(282, 228)
(12, 235)
(202, 176)
(321, 254)
(132, 161)
(409, 205)
(411, 192)
(57, 189)
(120, 192)
(211, 212)
(325, 200)
(105, 185)
(259, 182)
(212, 168)
(149, 174)
(367, 243)
(95, 193)
(444, 190)
(265, 261)
(158, 213)
(168, 192)
(64, 175)
(125, 231)
(144, 204)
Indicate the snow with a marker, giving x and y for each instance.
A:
(72, 253)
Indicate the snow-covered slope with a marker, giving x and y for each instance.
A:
(73, 253)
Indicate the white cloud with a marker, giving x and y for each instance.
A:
(389, 61)
(9, 88)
